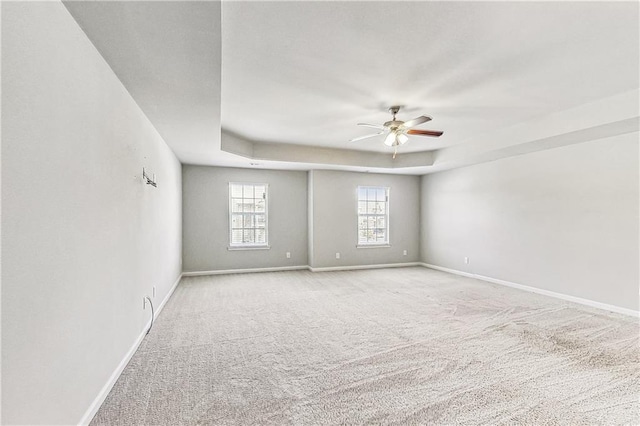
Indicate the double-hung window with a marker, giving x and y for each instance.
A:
(373, 216)
(248, 227)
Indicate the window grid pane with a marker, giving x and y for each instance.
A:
(248, 214)
(373, 222)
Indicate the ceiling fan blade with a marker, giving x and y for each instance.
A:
(365, 137)
(375, 126)
(434, 133)
(390, 140)
(416, 121)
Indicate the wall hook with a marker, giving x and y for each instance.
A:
(149, 180)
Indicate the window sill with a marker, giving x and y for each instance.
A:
(373, 246)
(233, 248)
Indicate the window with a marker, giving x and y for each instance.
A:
(248, 215)
(373, 215)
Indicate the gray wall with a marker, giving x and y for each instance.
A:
(564, 220)
(83, 238)
(335, 212)
(206, 219)
(312, 218)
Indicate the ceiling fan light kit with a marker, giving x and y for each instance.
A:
(398, 130)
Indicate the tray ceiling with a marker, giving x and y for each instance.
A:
(284, 83)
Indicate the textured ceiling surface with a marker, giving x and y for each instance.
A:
(272, 75)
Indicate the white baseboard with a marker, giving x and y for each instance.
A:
(295, 268)
(350, 268)
(243, 271)
(562, 296)
(169, 294)
(451, 271)
(102, 395)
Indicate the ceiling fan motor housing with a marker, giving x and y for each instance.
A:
(393, 124)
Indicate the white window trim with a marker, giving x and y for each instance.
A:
(248, 247)
(245, 246)
(383, 244)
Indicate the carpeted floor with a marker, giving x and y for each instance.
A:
(386, 346)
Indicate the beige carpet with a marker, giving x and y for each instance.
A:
(388, 346)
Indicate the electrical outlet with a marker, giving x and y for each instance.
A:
(337, 255)
(153, 291)
(466, 260)
(404, 253)
(288, 255)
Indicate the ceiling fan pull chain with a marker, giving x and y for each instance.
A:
(395, 151)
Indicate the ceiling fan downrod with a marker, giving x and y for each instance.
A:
(394, 110)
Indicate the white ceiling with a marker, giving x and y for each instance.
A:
(288, 81)
(167, 55)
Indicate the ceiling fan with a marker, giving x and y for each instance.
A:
(397, 130)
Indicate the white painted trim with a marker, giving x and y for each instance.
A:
(562, 296)
(102, 395)
(349, 268)
(451, 271)
(295, 268)
(254, 247)
(169, 294)
(243, 271)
